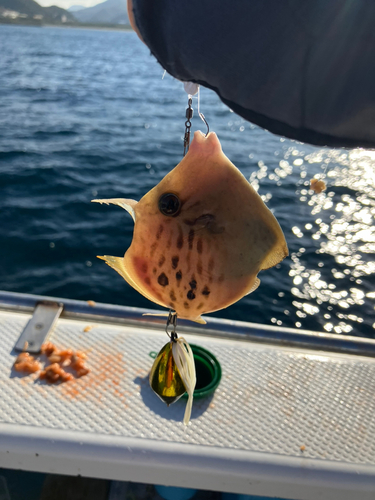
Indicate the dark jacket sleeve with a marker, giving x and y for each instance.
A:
(299, 68)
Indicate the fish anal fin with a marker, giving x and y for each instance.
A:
(200, 320)
(254, 286)
(158, 314)
(124, 203)
(118, 264)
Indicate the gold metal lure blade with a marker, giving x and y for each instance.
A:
(165, 378)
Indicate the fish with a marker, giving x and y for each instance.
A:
(201, 235)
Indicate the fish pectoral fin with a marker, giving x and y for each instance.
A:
(254, 286)
(209, 222)
(124, 203)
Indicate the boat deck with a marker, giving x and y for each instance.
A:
(285, 421)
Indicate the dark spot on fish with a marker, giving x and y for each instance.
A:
(200, 305)
(144, 267)
(191, 295)
(160, 230)
(169, 242)
(206, 291)
(171, 305)
(153, 248)
(175, 260)
(147, 280)
(180, 238)
(221, 278)
(154, 270)
(193, 283)
(172, 295)
(191, 238)
(161, 260)
(211, 264)
(178, 275)
(199, 267)
(163, 279)
(200, 246)
(186, 305)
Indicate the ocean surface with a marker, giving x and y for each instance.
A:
(87, 114)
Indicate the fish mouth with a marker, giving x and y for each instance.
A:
(205, 145)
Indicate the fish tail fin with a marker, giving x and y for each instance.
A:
(124, 203)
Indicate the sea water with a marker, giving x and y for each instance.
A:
(87, 114)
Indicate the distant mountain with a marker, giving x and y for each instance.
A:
(58, 14)
(75, 8)
(28, 9)
(109, 12)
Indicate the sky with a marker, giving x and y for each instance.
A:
(65, 4)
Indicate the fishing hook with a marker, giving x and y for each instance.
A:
(201, 116)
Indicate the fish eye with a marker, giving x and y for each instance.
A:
(169, 204)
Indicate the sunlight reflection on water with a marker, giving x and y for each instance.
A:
(341, 220)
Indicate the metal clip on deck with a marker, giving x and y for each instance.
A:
(46, 313)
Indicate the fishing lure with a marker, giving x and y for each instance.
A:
(173, 371)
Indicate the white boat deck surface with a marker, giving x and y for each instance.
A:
(284, 422)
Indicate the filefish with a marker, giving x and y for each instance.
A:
(201, 235)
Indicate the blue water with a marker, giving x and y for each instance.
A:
(86, 114)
